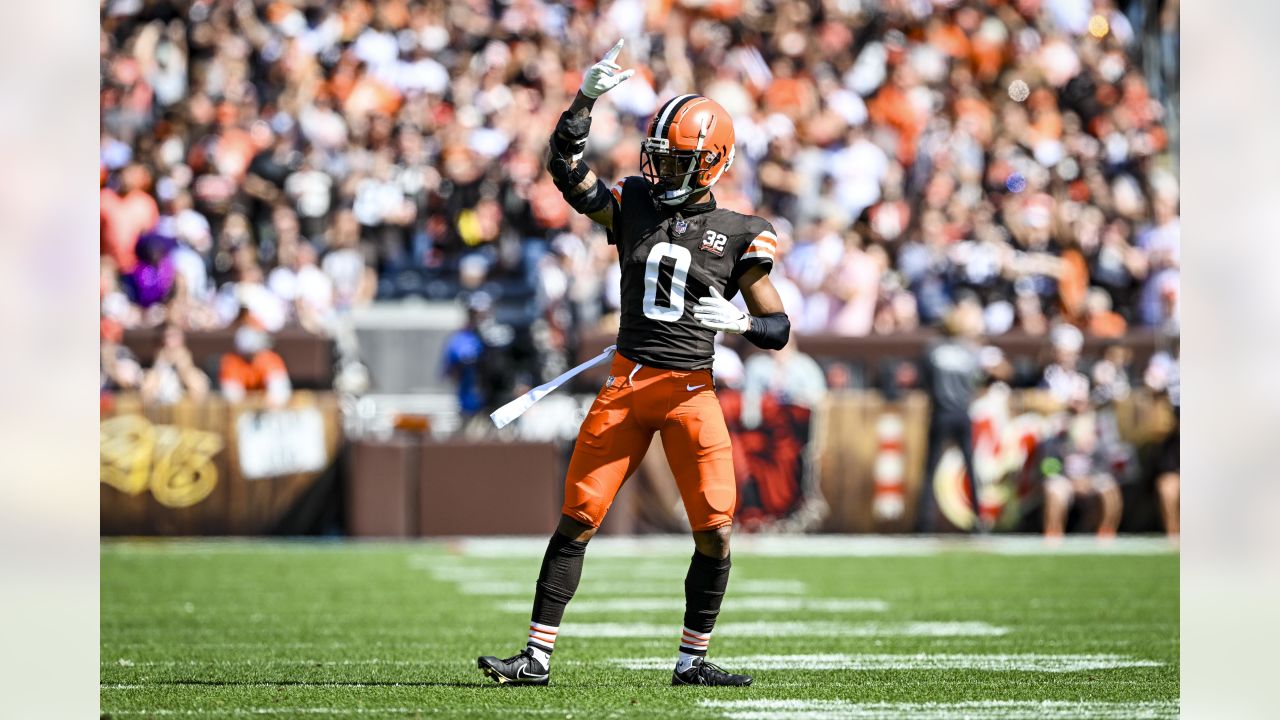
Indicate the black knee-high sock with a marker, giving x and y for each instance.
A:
(703, 591)
(558, 579)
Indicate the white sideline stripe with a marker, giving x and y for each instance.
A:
(763, 603)
(506, 547)
(973, 710)
(990, 663)
(791, 629)
(593, 588)
(831, 546)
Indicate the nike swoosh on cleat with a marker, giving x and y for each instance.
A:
(522, 675)
(691, 388)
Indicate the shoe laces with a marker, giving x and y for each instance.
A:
(523, 653)
(712, 667)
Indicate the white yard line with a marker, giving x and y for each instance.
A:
(835, 661)
(763, 603)
(973, 710)
(474, 569)
(255, 662)
(309, 685)
(261, 711)
(296, 711)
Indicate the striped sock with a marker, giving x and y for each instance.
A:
(693, 645)
(542, 641)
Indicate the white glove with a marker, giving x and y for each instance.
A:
(716, 313)
(604, 76)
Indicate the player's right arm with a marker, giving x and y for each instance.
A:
(584, 192)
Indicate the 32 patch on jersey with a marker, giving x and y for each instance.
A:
(714, 242)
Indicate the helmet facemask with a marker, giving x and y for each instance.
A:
(674, 175)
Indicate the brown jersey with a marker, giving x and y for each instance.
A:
(670, 257)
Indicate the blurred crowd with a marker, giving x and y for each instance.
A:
(275, 163)
(300, 157)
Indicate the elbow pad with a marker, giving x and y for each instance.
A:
(770, 332)
(568, 177)
(569, 140)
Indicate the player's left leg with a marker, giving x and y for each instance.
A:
(697, 445)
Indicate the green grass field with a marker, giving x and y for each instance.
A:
(830, 627)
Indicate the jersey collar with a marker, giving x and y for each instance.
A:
(698, 209)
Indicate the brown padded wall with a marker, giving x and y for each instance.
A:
(489, 488)
(382, 488)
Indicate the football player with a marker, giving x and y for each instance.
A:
(682, 260)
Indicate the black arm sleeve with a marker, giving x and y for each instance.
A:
(568, 177)
(770, 332)
(568, 140)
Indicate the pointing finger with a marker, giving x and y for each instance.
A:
(613, 51)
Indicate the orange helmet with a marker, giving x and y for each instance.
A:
(689, 145)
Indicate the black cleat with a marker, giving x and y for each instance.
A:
(704, 673)
(522, 669)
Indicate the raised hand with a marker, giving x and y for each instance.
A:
(606, 74)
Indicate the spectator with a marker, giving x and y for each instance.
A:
(1062, 377)
(173, 375)
(464, 356)
(250, 292)
(311, 190)
(254, 367)
(1162, 376)
(126, 215)
(1110, 375)
(353, 280)
(1078, 462)
(1160, 243)
(151, 280)
(118, 368)
(305, 288)
(951, 373)
(1100, 319)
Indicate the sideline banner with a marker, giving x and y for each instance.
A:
(856, 463)
(774, 461)
(211, 468)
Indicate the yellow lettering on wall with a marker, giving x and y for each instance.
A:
(125, 444)
(176, 463)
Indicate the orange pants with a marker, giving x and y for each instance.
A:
(635, 403)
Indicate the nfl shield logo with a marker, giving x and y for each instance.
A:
(681, 226)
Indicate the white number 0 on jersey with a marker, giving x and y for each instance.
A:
(682, 258)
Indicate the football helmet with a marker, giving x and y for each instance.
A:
(688, 147)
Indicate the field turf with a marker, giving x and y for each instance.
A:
(830, 627)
